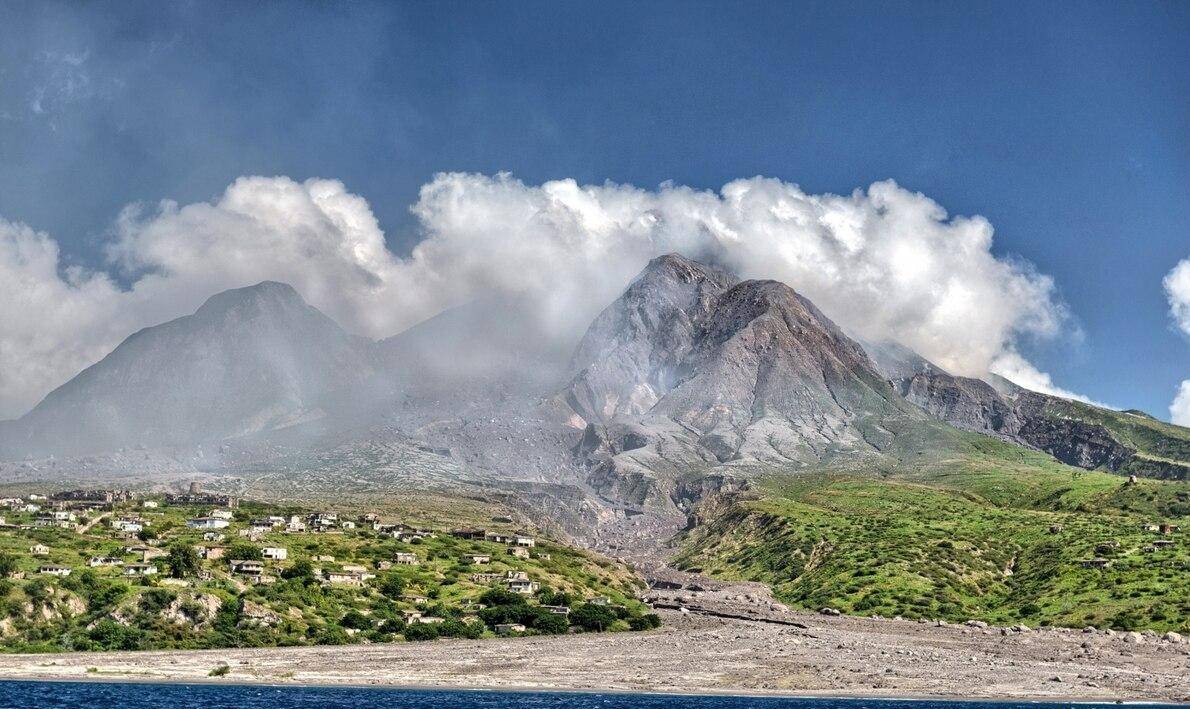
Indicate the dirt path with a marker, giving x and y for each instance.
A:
(697, 653)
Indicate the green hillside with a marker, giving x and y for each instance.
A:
(995, 533)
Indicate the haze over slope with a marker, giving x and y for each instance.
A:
(688, 381)
(249, 360)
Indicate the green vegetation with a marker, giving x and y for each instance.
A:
(997, 534)
(342, 585)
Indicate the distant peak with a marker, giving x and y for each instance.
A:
(260, 293)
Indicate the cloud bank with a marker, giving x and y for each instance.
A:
(1177, 289)
(885, 262)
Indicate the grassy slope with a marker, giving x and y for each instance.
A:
(960, 533)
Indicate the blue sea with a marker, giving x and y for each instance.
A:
(109, 695)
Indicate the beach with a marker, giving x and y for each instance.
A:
(776, 652)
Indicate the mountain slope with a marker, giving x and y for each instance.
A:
(1076, 433)
(249, 360)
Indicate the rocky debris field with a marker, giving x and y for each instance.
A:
(779, 652)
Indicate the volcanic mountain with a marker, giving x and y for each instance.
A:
(692, 370)
(249, 360)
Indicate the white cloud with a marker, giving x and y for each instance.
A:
(1179, 410)
(1021, 372)
(1177, 289)
(885, 262)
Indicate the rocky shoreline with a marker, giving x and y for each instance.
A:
(711, 643)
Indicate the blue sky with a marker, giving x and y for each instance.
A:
(1064, 124)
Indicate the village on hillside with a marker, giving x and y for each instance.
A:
(109, 569)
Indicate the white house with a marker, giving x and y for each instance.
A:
(54, 570)
(140, 570)
(275, 553)
(207, 523)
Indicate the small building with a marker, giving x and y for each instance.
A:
(247, 567)
(213, 536)
(600, 601)
(207, 523)
(507, 628)
(345, 578)
(131, 526)
(557, 610)
(1167, 528)
(324, 558)
(404, 558)
(275, 553)
(39, 550)
(1096, 563)
(212, 553)
(523, 541)
(140, 570)
(1161, 543)
(522, 586)
(426, 620)
(519, 552)
(479, 559)
(221, 514)
(98, 561)
(485, 578)
(50, 570)
(543, 555)
(1150, 527)
(468, 533)
(1055, 528)
(149, 504)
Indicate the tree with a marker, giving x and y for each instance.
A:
(549, 623)
(182, 561)
(302, 570)
(501, 597)
(8, 564)
(392, 585)
(355, 620)
(245, 552)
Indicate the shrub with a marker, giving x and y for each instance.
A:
(592, 617)
(648, 621)
(549, 623)
(355, 620)
(421, 631)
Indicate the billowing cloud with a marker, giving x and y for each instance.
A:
(1015, 368)
(1179, 410)
(887, 263)
(1177, 289)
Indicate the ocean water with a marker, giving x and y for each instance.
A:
(110, 695)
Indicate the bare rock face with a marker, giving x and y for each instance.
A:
(631, 353)
(691, 374)
(249, 360)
